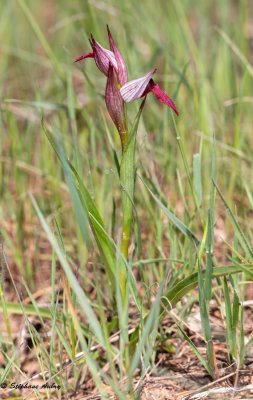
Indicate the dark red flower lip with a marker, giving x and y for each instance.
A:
(162, 96)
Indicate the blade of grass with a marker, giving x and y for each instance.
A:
(172, 217)
(16, 308)
(195, 350)
(197, 177)
(204, 295)
(235, 317)
(42, 39)
(183, 287)
(80, 211)
(96, 223)
(83, 301)
(236, 50)
(72, 118)
(105, 247)
(150, 325)
(243, 241)
(228, 316)
(187, 170)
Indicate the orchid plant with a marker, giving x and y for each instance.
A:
(118, 92)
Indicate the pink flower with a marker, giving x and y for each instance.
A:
(111, 64)
(118, 89)
(103, 58)
(138, 88)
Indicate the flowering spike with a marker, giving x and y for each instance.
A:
(118, 90)
(135, 89)
(115, 104)
(122, 69)
(87, 55)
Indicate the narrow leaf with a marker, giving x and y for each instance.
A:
(172, 217)
(83, 301)
(197, 177)
(243, 241)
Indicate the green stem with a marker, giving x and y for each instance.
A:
(127, 173)
(124, 134)
(125, 241)
(123, 139)
(127, 181)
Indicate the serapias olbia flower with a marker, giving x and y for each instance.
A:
(118, 89)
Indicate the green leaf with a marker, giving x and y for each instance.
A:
(203, 308)
(38, 104)
(244, 268)
(228, 314)
(236, 50)
(197, 177)
(183, 287)
(127, 178)
(38, 32)
(16, 308)
(105, 247)
(96, 223)
(209, 266)
(195, 350)
(83, 301)
(150, 325)
(243, 241)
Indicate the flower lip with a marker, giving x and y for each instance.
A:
(161, 95)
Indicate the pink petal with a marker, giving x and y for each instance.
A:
(114, 102)
(103, 57)
(87, 55)
(161, 95)
(134, 90)
(122, 69)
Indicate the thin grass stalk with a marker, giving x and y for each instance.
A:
(42, 39)
(4, 306)
(187, 170)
